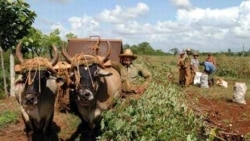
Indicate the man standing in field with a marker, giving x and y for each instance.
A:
(210, 58)
(195, 64)
(131, 72)
(187, 66)
(209, 69)
(181, 68)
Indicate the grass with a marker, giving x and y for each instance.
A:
(7, 117)
(236, 65)
(157, 109)
(68, 122)
(218, 92)
(9, 113)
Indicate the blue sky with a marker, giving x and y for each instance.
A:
(205, 25)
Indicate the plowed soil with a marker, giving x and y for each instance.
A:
(228, 119)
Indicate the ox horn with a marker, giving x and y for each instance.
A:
(18, 52)
(56, 56)
(66, 55)
(108, 52)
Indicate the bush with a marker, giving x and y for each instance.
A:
(160, 114)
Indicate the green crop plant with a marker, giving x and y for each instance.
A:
(159, 115)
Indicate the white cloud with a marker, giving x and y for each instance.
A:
(75, 22)
(243, 25)
(84, 26)
(202, 29)
(212, 17)
(57, 26)
(120, 15)
(61, 28)
(182, 4)
(134, 12)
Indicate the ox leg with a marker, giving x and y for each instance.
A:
(28, 129)
(47, 129)
(37, 134)
(95, 115)
(42, 130)
(28, 125)
(87, 134)
(72, 103)
(48, 122)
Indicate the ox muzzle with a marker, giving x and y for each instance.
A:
(86, 82)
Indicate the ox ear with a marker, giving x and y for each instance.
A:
(103, 72)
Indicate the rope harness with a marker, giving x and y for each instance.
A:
(63, 69)
(86, 60)
(36, 64)
(96, 47)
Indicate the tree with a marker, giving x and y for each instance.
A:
(125, 46)
(175, 51)
(71, 36)
(145, 48)
(40, 45)
(15, 21)
(33, 42)
(52, 38)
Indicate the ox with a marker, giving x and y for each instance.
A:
(35, 90)
(62, 100)
(94, 87)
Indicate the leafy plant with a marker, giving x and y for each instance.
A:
(8, 117)
(160, 114)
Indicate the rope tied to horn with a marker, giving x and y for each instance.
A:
(62, 69)
(95, 48)
(35, 64)
(86, 60)
(83, 59)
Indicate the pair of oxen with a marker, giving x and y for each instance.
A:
(93, 86)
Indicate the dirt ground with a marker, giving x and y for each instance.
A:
(15, 131)
(230, 120)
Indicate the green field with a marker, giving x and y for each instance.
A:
(162, 112)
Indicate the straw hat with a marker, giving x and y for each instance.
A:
(181, 52)
(188, 49)
(128, 53)
(195, 53)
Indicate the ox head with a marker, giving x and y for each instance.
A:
(35, 78)
(86, 73)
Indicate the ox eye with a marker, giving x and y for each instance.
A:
(24, 77)
(48, 73)
(96, 73)
(72, 76)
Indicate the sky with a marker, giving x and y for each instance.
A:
(204, 25)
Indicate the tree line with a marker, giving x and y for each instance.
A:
(16, 19)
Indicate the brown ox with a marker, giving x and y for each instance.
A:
(35, 91)
(62, 100)
(94, 87)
